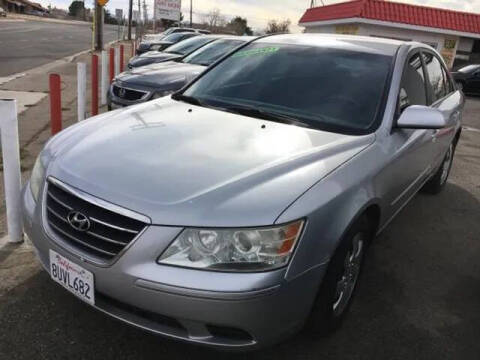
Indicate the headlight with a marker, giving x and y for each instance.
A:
(162, 94)
(37, 177)
(234, 249)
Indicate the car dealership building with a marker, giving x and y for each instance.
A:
(456, 35)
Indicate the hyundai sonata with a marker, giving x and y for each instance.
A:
(239, 210)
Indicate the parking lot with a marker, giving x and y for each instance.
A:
(418, 298)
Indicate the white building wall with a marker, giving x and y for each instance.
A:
(441, 42)
(327, 29)
(433, 39)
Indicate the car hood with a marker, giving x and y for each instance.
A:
(185, 165)
(159, 76)
(151, 57)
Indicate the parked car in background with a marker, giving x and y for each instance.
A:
(174, 52)
(157, 80)
(164, 42)
(239, 210)
(3, 12)
(173, 30)
(180, 29)
(468, 79)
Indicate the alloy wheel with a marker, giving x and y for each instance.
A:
(351, 270)
(447, 164)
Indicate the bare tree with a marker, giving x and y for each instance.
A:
(214, 19)
(277, 26)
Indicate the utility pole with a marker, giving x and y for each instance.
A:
(139, 28)
(98, 26)
(145, 15)
(313, 3)
(191, 13)
(130, 8)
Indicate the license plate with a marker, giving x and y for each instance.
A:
(72, 277)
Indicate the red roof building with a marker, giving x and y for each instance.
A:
(453, 33)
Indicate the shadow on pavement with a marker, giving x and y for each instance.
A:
(418, 298)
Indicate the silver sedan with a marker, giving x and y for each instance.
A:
(239, 210)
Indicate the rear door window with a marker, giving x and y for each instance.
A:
(436, 76)
(448, 82)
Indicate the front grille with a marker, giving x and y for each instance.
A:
(128, 94)
(108, 232)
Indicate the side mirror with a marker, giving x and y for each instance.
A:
(421, 117)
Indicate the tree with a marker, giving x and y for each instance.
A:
(239, 26)
(277, 26)
(214, 19)
(76, 8)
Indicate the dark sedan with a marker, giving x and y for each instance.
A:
(158, 80)
(174, 52)
(468, 79)
(165, 42)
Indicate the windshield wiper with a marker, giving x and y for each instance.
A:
(265, 115)
(188, 99)
(202, 63)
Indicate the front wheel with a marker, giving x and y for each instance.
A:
(438, 181)
(459, 85)
(340, 281)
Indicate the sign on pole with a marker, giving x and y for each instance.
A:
(119, 15)
(102, 2)
(167, 9)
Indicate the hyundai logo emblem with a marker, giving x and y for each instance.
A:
(122, 92)
(78, 221)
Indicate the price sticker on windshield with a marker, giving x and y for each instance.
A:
(256, 52)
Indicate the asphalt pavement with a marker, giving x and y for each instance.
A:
(418, 298)
(27, 44)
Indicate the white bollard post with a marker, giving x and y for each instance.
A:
(117, 61)
(11, 168)
(104, 85)
(81, 90)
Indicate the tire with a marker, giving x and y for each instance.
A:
(330, 306)
(459, 85)
(436, 184)
(109, 107)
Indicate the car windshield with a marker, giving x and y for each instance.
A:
(325, 87)
(168, 31)
(185, 47)
(210, 53)
(469, 68)
(173, 37)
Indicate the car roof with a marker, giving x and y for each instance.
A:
(236, 37)
(367, 44)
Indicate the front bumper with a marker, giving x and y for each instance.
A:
(227, 310)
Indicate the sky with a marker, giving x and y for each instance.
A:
(259, 12)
